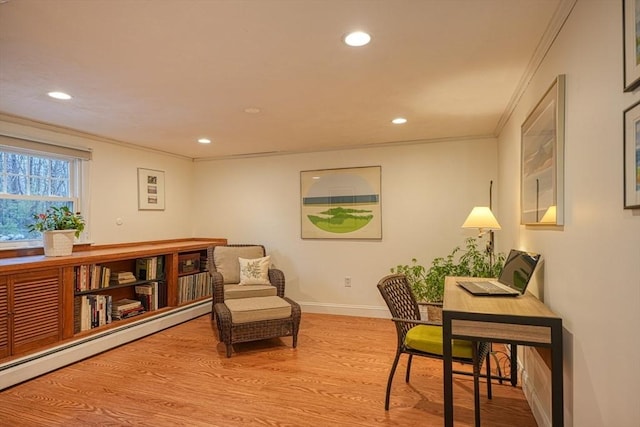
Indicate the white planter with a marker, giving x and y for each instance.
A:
(58, 242)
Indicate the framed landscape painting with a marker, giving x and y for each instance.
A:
(341, 203)
(542, 162)
(632, 157)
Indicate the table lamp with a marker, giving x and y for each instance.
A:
(483, 219)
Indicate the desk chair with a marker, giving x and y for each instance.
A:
(421, 338)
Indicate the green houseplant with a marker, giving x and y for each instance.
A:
(58, 226)
(428, 284)
(58, 218)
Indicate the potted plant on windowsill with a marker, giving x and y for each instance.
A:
(58, 226)
(428, 284)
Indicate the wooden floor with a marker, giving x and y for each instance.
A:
(181, 377)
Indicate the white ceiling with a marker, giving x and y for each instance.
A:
(163, 73)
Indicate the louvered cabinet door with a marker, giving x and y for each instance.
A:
(4, 317)
(36, 309)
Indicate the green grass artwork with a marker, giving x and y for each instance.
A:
(341, 220)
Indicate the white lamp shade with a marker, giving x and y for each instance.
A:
(549, 216)
(481, 217)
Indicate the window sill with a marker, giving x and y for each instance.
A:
(32, 247)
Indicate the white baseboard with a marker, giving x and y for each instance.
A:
(33, 365)
(345, 309)
(535, 371)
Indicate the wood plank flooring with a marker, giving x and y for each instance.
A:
(181, 377)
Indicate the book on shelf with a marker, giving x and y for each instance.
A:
(162, 294)
(105, 278)
(122, 277)
(148, 295)
(125, 304)
(125, 308)
(150, 268)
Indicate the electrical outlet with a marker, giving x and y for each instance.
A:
(347, 282)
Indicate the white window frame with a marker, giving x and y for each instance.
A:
(78, 179)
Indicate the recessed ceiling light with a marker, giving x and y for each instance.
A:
(357, 39)
(60, 95)
(399, 121)
(204, 141)
(252, 110)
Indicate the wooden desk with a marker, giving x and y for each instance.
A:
(524, 320)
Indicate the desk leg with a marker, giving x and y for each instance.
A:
(448, 370)
(514, 365)
(557, 387)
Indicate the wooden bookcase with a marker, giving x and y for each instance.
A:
(38, 309)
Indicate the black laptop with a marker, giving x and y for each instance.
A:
(514, 277)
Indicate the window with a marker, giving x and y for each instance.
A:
(30, 182)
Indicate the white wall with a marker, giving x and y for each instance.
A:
(592, 269)
(114, 194)
(113, 188)
(427, 192)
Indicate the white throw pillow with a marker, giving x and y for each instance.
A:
(225, 259)
(254, 271)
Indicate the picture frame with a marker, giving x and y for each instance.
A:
(631, 41)
(632, 157)
(343, 203)
(542, 159)
(150, 190)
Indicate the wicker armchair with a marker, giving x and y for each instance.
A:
(233, 290)
(421, 338)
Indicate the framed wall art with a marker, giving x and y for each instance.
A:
(542, 159)
(632, 157)
(341, 203)
(150, 189)
(631, 34)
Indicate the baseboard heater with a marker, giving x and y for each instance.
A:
(33, 365)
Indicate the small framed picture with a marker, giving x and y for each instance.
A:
(631, 30)
(632, 157)
(150, 189)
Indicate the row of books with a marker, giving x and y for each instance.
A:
(147, 294)
(94, 276)
(91, 276)
(91, 311)
(150, 268)
(194, 286)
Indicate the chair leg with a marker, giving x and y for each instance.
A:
(391, 374)
(488, 357)
(476, 383)
(409, 368)
(228, 350)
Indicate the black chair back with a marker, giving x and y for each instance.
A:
(397, 293)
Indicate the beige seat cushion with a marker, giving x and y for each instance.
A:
(225, 259)
(256, 309)
(248, 291)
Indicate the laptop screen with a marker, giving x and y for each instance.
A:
(518, 269)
